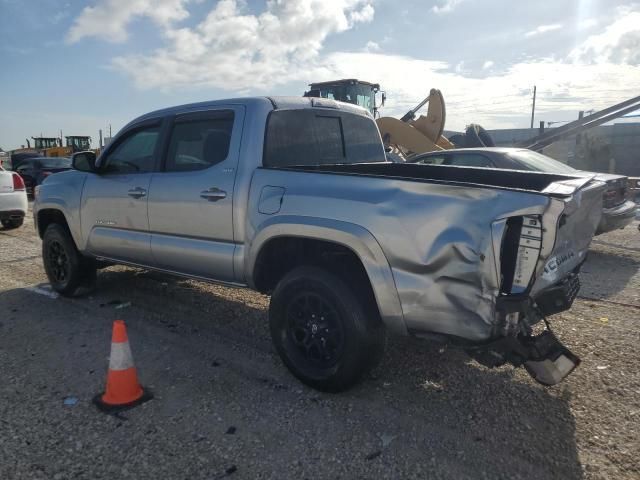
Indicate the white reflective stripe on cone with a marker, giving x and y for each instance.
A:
(121, 358)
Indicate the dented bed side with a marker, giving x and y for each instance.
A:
(445, 241)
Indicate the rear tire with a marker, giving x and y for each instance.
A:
(66, 268)
(12, 223)
(322, 331)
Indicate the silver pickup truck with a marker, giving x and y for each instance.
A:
(293, 197)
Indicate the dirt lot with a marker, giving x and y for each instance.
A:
(205, 352)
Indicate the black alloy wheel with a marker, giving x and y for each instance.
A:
(326, 331)
(315, 328)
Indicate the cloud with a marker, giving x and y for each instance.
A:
(543, 29)
(618, 43)
(364, 15)
(239, 51)
(372, 47)
(109, 19)
(587, 23)
(446, 6)
(500, 100)
(234, 50)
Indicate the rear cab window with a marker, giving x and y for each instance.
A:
(310, 137)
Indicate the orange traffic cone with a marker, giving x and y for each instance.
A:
(123, 389)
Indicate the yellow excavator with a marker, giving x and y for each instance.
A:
(408, 135)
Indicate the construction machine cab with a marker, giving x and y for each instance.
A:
(78, 143)
(43, 143)
(349, 90)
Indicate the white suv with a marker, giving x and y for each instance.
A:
(13, 199)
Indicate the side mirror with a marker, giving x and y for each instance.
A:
(84, 161)
(384, 99)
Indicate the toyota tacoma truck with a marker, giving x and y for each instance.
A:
(293, 197)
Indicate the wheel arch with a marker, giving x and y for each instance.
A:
(311, 235)
(45, 216)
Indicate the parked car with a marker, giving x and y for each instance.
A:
(35, 170)
(13, 199)
(618, 208)
(16, 159)
(293, 197)
(634, 187)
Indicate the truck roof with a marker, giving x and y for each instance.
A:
(275, 103)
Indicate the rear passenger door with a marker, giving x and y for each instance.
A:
(191, 198)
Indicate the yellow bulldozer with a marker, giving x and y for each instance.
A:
(408, 135)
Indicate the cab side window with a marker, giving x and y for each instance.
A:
(432, 160)
(199, 143)
(469, 160)
(134, 153)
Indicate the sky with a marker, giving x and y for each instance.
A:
(84, 65)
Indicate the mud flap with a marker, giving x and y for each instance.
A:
(551, 361)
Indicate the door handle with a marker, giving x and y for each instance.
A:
(137, 192)
(213, 194)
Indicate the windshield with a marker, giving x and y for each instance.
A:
(530, 160)
(45, 142)
(80, 143)
(361, 95)
(55, 162)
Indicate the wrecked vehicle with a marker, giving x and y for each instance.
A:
(293, 197)
(617, 208)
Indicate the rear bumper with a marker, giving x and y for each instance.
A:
(617, 217)
(11, 214)
(554, 299)
(544, 357)
(13, 205)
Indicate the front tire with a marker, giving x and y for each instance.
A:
(66, 268)
(322, 331)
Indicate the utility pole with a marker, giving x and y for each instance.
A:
(579, 151)
(533, 108)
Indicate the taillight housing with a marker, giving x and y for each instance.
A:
(18, 182)
(521, 247)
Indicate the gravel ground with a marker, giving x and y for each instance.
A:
(225, 406)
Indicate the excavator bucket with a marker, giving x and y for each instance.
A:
(405, 136)
(432, 125)
(410, 136)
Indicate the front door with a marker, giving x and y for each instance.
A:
(191, 199)
(114, 214)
